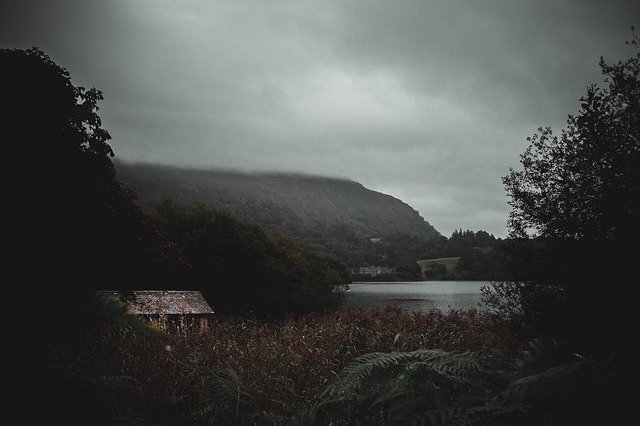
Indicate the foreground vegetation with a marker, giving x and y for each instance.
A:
(246, 370)
(380, 367)
(547, 383)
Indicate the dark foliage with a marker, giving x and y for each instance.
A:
(546, 384)
(435, 270)
(576, 217)
(240, 371)
(284, 203)
(242, 269)
(74, 227)
(77, 222)
(338, 368)
(482, 257)
(333, 218)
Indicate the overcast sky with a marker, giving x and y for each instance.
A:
(430, 102)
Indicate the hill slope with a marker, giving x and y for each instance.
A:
(293, 204)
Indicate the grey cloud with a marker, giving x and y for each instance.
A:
(430, 102)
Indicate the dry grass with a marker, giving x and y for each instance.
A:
(283, 364)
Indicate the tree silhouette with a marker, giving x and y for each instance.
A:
(242, 269)
(576, 215)
(584, 184)
(78, 227)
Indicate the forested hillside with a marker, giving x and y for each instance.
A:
(293, 204)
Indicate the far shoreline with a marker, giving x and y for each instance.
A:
(420, 282)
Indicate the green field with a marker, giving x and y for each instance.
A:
(449, 262)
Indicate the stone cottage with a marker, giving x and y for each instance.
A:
(166, 308)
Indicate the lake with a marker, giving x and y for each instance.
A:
(415, 295)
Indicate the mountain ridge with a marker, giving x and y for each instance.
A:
(285, 202)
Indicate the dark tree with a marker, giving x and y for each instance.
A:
(584, 184)
(576, 216)
(72, 227)
(78, 227)
(435, 270)
(242, 269)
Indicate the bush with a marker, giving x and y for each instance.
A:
(241, 269)
(547, 384)
(576, 217)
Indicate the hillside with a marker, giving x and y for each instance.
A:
(293, 204)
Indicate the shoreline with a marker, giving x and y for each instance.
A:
(421, 282)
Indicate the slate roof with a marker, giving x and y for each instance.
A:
(161, 302)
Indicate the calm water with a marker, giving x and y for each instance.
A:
(415, 296)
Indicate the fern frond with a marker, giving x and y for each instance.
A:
(386, 398)
(548, 384)
(434, 387)
(318, 414)
(545, 351)
(454, 366)
(228, 396)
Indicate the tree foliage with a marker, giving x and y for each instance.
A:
(434, 270)
(79, 228)
(575, 213)
(241, 268)
(584, 184)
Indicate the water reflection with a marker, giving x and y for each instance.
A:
(416, 296)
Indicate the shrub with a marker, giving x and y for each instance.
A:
(241, 269)
(546, 384)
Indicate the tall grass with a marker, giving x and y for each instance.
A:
(253, 371)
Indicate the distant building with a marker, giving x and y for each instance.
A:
(166, 308)
(373, 270)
